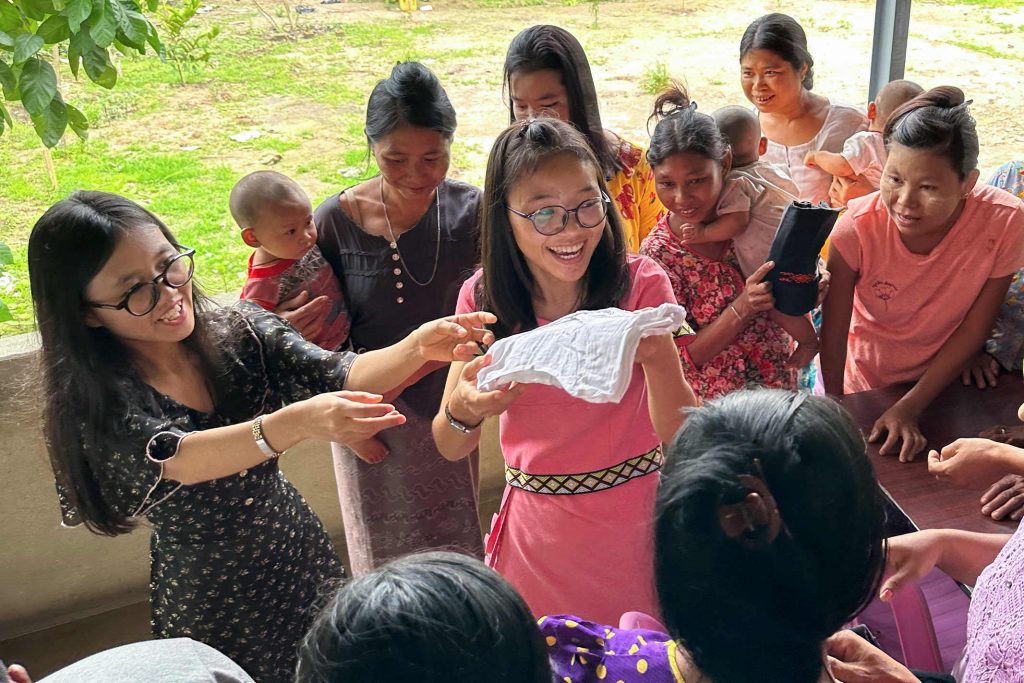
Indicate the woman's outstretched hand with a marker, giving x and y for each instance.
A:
(457, 337)
(909, 559)
(347, 417)
(970, 462)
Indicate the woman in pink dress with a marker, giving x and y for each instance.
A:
(582, 476)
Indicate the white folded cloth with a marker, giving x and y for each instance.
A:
(588, 354)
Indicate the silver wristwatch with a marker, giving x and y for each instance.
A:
(261, 443)
(460, 426)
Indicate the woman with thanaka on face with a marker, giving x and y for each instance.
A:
(777, 74)
(737, 342)
(547, 74)
(768, 539)
(920, 268)
(161, 409)
(552, 246)
(401, 243)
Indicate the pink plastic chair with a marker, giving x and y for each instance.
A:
(910, 611)
(916, 630)
(640, 620)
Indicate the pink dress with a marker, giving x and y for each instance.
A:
(587, 553)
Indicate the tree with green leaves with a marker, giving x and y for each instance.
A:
(84, 31)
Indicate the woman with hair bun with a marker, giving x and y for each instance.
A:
(738, 342)
(777, 74)
(919, 268)
(401, 244)
(768, 529)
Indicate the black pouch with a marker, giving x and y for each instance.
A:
(802, 233)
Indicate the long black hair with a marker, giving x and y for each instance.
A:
(552, 47)
(784, 36)
(758, 607)
(410, 96)
(940, 122)
(681, 128)
(507, 288)
(86, 369)
(433, 617)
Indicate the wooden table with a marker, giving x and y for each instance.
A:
(959, 411)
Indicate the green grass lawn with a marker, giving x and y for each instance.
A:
(168, 146)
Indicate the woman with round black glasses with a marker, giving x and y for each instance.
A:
(159, 409)
(581, 476)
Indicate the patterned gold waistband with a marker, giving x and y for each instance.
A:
(586, 482)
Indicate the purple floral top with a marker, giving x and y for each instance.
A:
(995, 623)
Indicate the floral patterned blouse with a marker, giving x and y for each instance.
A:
(1007, 342)
(632, 190)
(238, 562)
(706, 287)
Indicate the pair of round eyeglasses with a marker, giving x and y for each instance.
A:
(143, 297)
(551, 220)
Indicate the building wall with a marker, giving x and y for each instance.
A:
(50, 575)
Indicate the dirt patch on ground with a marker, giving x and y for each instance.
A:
(305, 91)
(697, 42)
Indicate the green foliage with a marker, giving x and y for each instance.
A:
(595, 7)
(6, 259)
(86, 30)
(655, 78)
(991, 4)
(987, 50)
(188, 51)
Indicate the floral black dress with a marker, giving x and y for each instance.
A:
(237, 562)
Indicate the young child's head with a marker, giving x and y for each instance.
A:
(891, 97)
(539, 170)
(742, 130)
(689, 156)
(274, 214)
(768, 534)
(432, 618)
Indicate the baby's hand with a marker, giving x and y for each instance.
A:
(809, 160)
(689, 232)
(371, 451)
